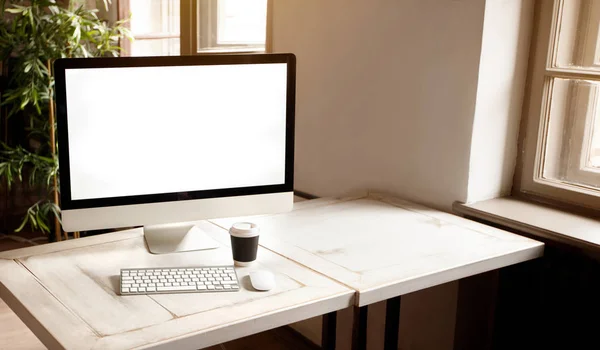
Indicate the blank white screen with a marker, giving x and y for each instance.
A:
(151, 130)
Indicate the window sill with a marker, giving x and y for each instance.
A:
(538, 220)
(226, 50)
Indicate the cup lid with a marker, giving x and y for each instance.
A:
(244, 229)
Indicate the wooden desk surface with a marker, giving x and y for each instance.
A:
(67, 293)
(385, 247)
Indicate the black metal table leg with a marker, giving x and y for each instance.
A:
(392, 323)
(359, 328)
(328, 331)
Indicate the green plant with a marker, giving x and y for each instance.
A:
(32, 35)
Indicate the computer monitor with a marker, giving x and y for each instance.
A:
(163, 141)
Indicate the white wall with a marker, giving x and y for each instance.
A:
(385, 100)
(502, 72)
(386, 94)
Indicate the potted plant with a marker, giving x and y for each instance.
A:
(32, 35)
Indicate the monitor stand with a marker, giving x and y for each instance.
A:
(172, 238)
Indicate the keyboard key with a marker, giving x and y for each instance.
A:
(174, 289)
(136, 285)
(228, 282)
(184, 283)
(168, 284)
(211, 287)
(141, 289)
(151, 289)
(125, 285)
(200, 287)
(219, 288)
(176, 284)
(124, 290)
(160, 285)
(227, 286)
(133, 290)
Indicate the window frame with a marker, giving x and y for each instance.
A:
(188, 30)
(123, 12)
(529, 181)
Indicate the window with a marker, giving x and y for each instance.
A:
(231, 25)
(561, 138)
(185, 27)
(155, 27)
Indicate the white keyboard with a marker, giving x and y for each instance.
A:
(179, 280)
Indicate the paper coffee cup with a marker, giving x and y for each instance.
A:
(244, 242)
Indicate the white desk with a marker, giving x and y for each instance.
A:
(66, 293)
(384, 247)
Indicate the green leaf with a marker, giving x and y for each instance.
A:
(23, 223)
(14, 10)
(40, 220)
(24, 102)
(76, 31)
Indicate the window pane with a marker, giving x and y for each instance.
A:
(154, 17)
(578, 44)
(241, 22)
(232, 25)
(569, 148)
(594, 153)
(155, 47)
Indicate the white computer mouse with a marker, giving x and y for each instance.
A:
(262, 280)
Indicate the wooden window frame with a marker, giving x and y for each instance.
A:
(190, 42)
(123, 12)
(529, 179)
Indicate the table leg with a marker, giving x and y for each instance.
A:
(328, 331)
(359, 328)
(392, 323)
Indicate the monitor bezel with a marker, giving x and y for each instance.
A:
(61, 65)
